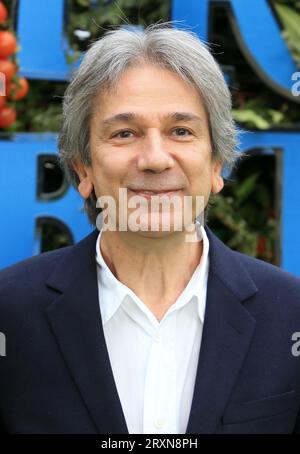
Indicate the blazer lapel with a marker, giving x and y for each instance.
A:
(227, 332)
(75, 318)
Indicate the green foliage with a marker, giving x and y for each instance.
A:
(97, 16)
(260, 108)
(255, 113)
(40, 110)
(243, 215)
(52, 238)
(290, 19)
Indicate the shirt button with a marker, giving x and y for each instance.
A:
(159, 423)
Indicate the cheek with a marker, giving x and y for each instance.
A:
(199, 172)
(108, 171)
(198, 157)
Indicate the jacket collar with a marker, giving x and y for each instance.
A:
(75, 319)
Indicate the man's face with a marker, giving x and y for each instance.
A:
(160, 142)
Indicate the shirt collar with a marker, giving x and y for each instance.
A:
(113, 292)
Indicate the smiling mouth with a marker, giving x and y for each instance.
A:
(148, 194)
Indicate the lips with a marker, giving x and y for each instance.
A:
(149, 193)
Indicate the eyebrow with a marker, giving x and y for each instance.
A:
(131, 116)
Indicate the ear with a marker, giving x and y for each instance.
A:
(85, 186)
(217, 180)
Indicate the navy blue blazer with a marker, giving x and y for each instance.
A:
(56, 376)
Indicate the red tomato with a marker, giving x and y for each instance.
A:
(2, 101)
(8, 116)
(8, 68)
(18, 90)
(3, 13)
(8, 44)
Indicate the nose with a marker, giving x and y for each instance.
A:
(153, 155)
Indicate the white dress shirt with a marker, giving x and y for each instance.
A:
(154, 363)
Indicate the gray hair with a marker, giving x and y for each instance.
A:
(178, 50)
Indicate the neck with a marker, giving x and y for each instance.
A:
(157, 269)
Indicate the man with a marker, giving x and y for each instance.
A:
(142, 329)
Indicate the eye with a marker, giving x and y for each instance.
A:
(182, 132)
(123, 134)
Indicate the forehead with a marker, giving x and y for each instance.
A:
(147, 90)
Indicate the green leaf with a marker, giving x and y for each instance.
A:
(250, 117)
(291, 22)
(243, 190)
(83, 3)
